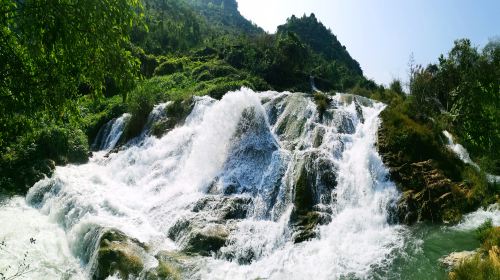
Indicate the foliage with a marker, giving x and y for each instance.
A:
(396, 86)
(484, 264)
(224, 16)
(322, 101)
(170, 26)
(321, 40)
(196, 76)
(483, 230)
(52, 52)
(465, 85)
(35, 155)
(476, 269)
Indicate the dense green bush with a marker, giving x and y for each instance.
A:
(168, 67)
(36, 154)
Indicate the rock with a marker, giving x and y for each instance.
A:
(207, 240)
(314, 181)
(200, 234)
(305, 225)
(176, 114)
(455, 258)
(226, 208)
(428, 194)
(319, 134)
(118, 254)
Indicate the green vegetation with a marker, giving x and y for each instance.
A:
(464, 87)
(64, 78)
(460, 95)
(486, 263)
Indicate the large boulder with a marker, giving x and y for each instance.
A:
(207, 228)
(118, 254)
(428, 194)
(197, 235)
(455, 258)
(436, 185)
(314, 182)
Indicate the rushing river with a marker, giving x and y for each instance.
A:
(252, 148)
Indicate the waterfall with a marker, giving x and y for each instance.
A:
(109, 135)
(463, 155)
(248, 169)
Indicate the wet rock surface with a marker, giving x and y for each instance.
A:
(119, 254)
(314, 183)
(430, 190)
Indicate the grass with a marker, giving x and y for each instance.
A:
(484, 265)
(187, 77)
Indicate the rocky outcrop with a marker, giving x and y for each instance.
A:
(173, 266)
(429, 176)
(428, 194)
(207, 229)
(314, 181)
(455, 258)
(119, 254)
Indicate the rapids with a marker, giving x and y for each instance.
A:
(248, 148)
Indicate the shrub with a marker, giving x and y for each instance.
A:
(35, 155)
(322, 101)
(168, 67)
(140, 103)
(475, 269)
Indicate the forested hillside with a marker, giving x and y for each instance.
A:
(380, 164)
(63, 78)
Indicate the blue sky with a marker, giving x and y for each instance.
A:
(381, 34)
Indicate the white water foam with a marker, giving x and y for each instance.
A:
(26, 233)
(253, 145)
(463, 154)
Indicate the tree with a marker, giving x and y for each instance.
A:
(54, 51)
(396, 86)
(50, 49)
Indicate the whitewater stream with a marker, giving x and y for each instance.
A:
(234, 168)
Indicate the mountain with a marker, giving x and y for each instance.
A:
(321, 40)
(224, 14)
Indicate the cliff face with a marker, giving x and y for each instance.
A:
(436, 186)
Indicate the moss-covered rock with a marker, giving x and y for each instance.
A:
(198, 236)
(314, 182)
(207, 240)
(118, 254)
(436, 185)
(485, 263)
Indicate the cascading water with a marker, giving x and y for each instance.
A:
(109, 135)
(277, 190)
(463, 154)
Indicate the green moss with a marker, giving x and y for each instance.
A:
(166, 270)
(168, 67)
(304, 198)
(118, 254)
(322, 102)
(35, 155)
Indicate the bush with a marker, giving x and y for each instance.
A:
(475, 269)
(322, 101)
(168, 67)
(484, 265)
(35, 155)
(140, 103)
(483, 230)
